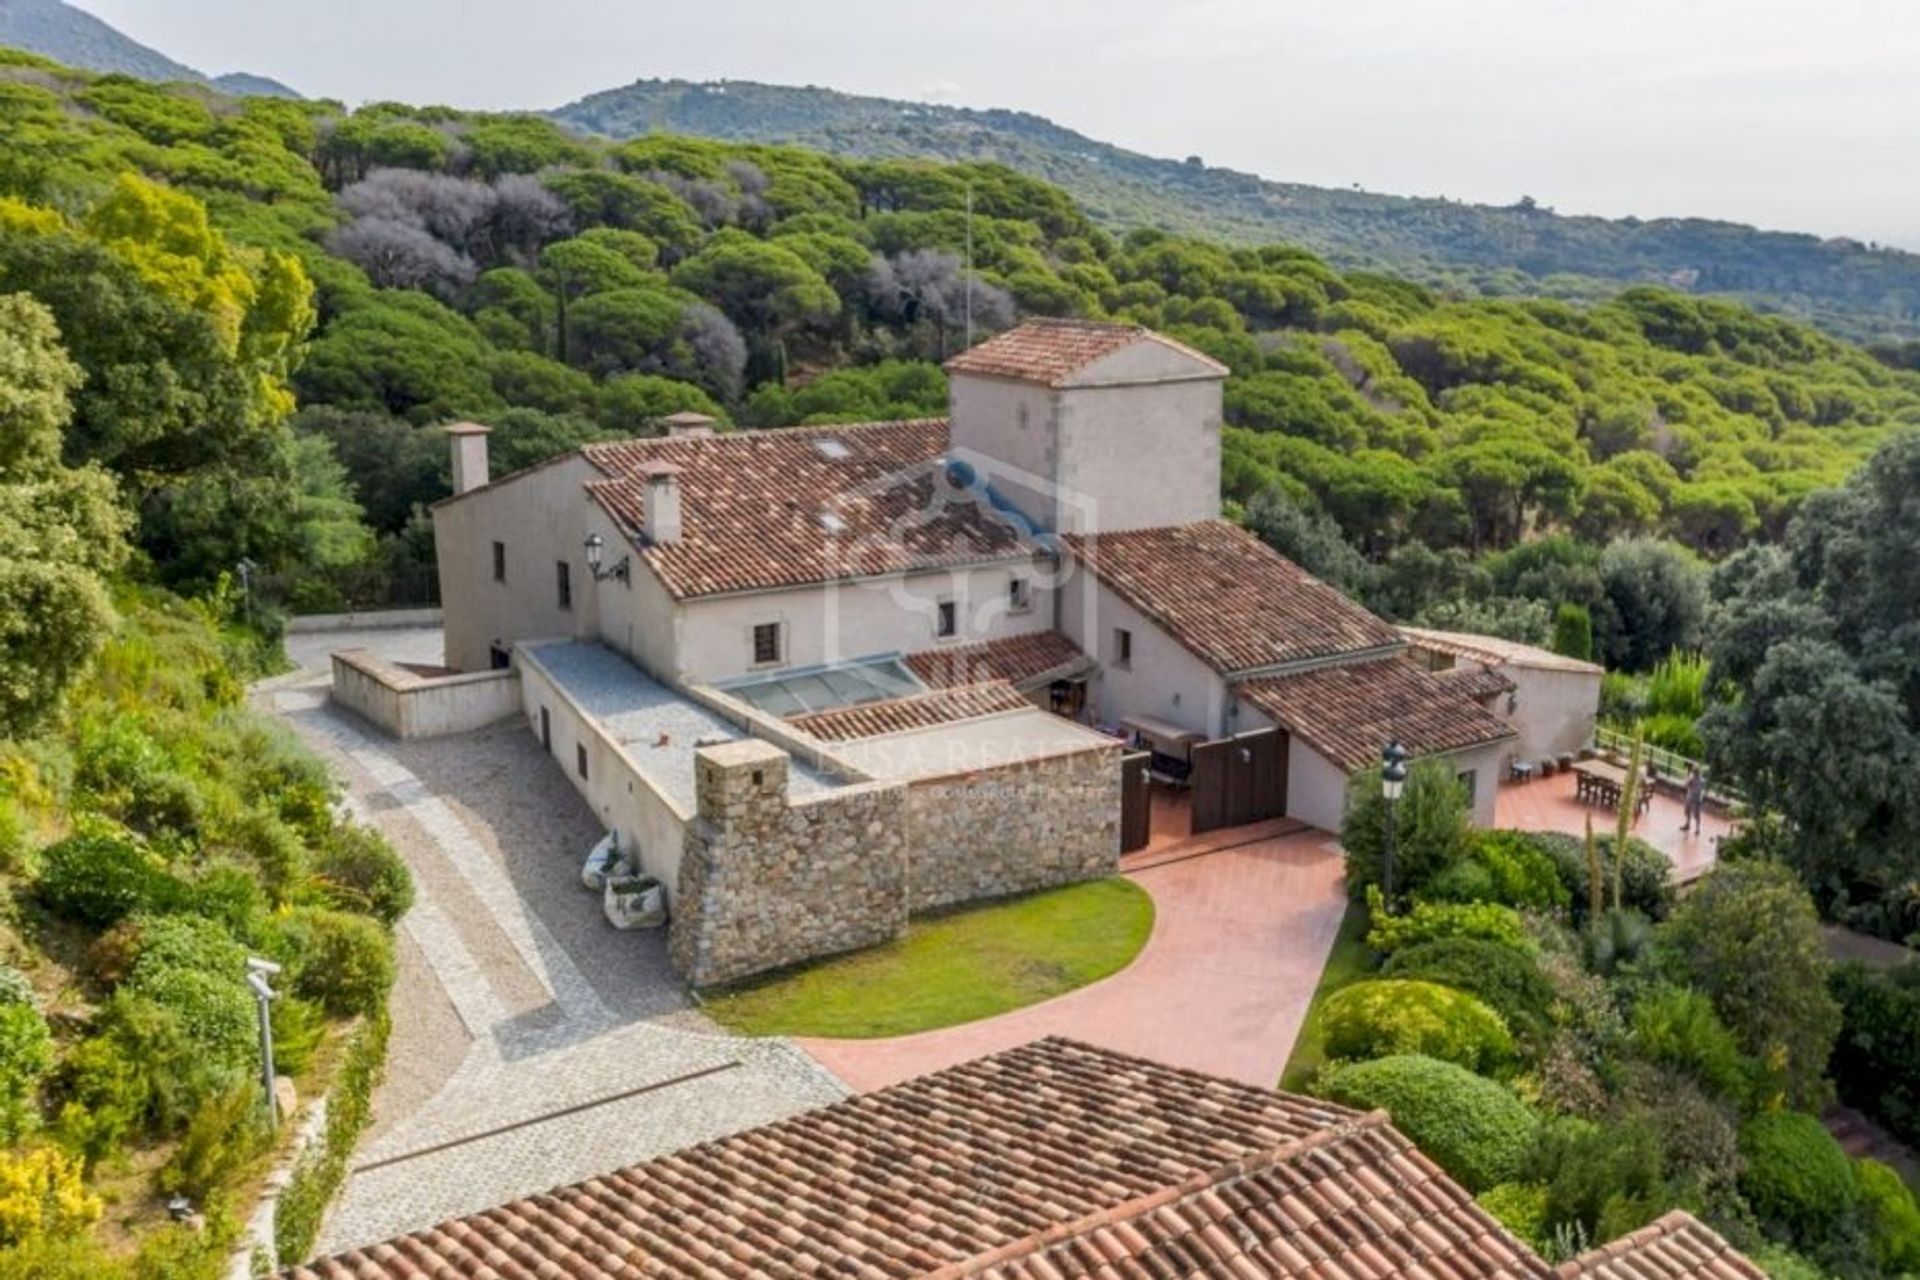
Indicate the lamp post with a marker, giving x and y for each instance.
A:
(596, 548)
(1393, 779)
(258, 971)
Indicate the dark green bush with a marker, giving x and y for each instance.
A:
(1430, 821)
(1605, 1177)
(1876, 1060)
(363, 873)
(1892, 1217)
(1505, 979)
(1464, 881)
(26, 1055)
(227, 1131)
(1677, 1027)
(1399, 1016)
(1523, 872)
(98, 879)
(193, 968)
(1646, 878)
(1475, 1129)
(344, 961)
(1797, 1177)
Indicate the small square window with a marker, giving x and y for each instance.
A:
(499, 562)
(947, 619)
(1122, 648)
(580, 758)
(1020, 595)
(766, 644)
(563, 583)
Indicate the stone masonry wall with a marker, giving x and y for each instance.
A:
(1013, 829)
(765, 882)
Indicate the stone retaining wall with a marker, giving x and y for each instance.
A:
(1033, 825)
(766, 882)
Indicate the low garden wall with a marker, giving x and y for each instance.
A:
(1036, 824)
(364, 620)
(412, 704)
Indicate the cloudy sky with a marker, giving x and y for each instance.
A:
(1800, 115)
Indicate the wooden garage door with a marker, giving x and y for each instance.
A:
(1239, 780)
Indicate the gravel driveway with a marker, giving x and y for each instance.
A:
(533, 1044)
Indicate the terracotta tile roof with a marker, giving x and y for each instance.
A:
(1474, 680)
(802, 505)
(916, 711)
(1052, 1161)
(1495, 650)
(1678, 1245)
(1050, 352)
(1355, 1200)
(1032, 655)
(900, 1183)
(1231, 599)
(1347, 713)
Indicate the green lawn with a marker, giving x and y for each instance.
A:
(952, 968)
(1347, 963)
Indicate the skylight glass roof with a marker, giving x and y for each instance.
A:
(841, 684)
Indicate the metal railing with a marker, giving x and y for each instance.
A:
(1671, 766)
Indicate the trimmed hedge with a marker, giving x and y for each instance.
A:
(1506, 980)
(321, 1170)
(1475, 1129)
(1401, 1016)
(1796, 1176)
(1432, 921)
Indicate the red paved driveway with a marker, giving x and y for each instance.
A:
(1240, 936)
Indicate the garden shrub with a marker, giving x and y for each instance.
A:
(226, 1132)
(1475, 1129)
(1432, 921)
(1606, 1178)
(1646, 878)
(1699, 1133)
(1430, 824)
(298, 1027)
(1615, 940)
(1797, 1177)
(344, 961)
(1506, 980)
(98, 879)
(363, 873)
(1520, 1207)
(321, 1170)
(1782, 1263)
(193, 969)
(1390, 1016)
(43, 1195)
(275, 848)
(106, 1094)
(1876, 1060)
(1522, 872)
(1892, 1217)
(1677, 1027)
(26, 1055)
(1464, 881)
(14, 987)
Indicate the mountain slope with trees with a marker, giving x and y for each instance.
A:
(1517, 250)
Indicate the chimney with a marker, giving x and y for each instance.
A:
(663, 502)
(469, 455)
(687, 425)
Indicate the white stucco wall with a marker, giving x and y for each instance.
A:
(409, 705)
(1145, 454)
(853, 620)
(1011, 425)
(1553, 711)
(1165, 679)
(539, 516)
(616, 789)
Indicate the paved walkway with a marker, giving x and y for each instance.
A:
(1240, 936)
(533, 1044)
(1549, 804)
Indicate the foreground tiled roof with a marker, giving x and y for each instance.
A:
(1033, 655)
(1678, 1245)
(1053, 1161)
(1495, 650)
(916, 711)
(802, 505)
(1228, 597)
(1050, 352)
(1348, 713)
